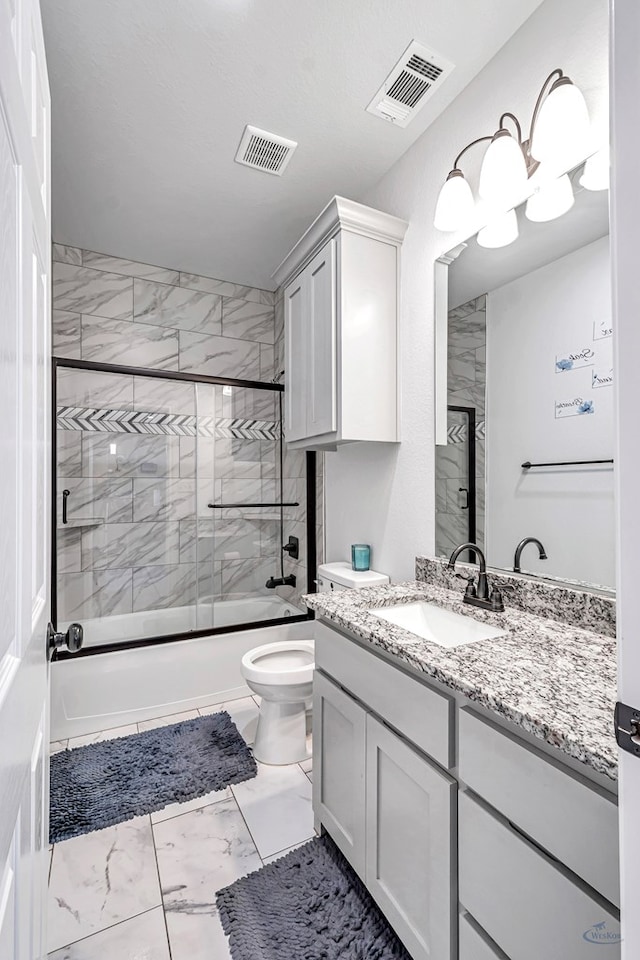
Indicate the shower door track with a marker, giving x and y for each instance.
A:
(310, 465)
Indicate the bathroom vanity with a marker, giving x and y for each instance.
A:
(473, 788)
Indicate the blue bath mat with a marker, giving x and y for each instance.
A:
(105, 783)
(309, 904)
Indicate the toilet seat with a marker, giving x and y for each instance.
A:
(287, 662)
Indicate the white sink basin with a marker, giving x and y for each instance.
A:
(438, 625)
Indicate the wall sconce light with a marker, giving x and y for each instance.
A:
(559, 136)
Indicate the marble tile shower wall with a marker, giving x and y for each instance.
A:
(466, 369)
(140, 534)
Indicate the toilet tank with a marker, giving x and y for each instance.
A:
(340, 576)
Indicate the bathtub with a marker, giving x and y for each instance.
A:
(201, 616)
(116, 688)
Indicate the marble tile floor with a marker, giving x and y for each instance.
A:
(145, 889)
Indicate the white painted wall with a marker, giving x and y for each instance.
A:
(547, 313)
(384, 495)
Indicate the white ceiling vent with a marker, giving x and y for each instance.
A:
(264, 151)
(416, 76)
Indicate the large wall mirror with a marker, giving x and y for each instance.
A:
(525, 405)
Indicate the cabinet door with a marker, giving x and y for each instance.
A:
(339, 725)
(410, 868)
(321, 320)
(296, 357)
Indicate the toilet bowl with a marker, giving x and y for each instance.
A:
(282, 675)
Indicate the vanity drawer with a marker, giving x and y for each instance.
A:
(526, 902)
(418, 712)
(577, 822)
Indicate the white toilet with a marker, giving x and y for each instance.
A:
(282, 675)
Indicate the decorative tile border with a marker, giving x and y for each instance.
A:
(107, 420)
(458, 432)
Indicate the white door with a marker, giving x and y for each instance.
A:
(24, 478)
(321, 321)
(625, 226)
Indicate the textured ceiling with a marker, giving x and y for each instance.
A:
(150, 98)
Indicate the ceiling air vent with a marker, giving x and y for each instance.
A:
(264, 151)
(416, 76)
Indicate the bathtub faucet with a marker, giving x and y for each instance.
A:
(274, 582)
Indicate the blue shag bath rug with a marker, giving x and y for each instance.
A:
(309, 905)
(105, 783)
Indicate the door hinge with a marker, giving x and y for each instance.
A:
(627, 725)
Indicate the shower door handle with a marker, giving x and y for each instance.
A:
(463, 503)
(65, 497)
(72, 639)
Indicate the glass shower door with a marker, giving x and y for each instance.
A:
(239, 545)
(456, 483)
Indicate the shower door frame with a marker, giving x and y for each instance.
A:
(310, 486)
(470, 413)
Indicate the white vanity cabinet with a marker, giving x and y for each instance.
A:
(391, 812)
(341, 328)
(485, 845)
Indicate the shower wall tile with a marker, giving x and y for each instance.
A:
(163, 499)
(131, 268)
(164, 396)
(83, 596)
(132, 344)
(66, 334)
(114, 545)
(196, 540)
(122, 455)
(225, 288)
(267, 362)
(157, 588)
(92, 388)
(237, 538)
(219, 356)
(82, 290)
(108, 499)
(245, 578)
(245, 320)
(61, 253)
(68, 552)
(68, 453)
(177, 307)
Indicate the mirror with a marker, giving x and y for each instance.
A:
(529, 397)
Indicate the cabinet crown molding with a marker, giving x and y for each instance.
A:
(339, 214)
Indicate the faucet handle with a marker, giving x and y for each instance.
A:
(471, 586)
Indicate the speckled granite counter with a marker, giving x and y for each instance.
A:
(556, 681)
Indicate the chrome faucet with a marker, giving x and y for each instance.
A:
(520, 548)
(478, 595)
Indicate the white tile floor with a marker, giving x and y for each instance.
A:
(145, 889)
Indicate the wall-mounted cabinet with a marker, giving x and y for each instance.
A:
(341, 328)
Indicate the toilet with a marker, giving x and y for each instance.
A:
(281, 674)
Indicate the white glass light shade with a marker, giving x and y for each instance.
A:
(503, 175)
(562, 130)
(595, 175)
(455, 204)
(499, 232)
(552, 200)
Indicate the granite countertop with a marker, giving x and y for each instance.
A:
(556, 681)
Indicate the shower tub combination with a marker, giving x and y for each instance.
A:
(170, 520)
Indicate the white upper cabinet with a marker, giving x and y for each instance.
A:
(341, 328)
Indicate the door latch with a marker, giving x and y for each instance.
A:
(627, 726)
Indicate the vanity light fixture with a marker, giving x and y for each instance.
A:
(595, 175)
(499, 232)
(550, 200)
(559, 136)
